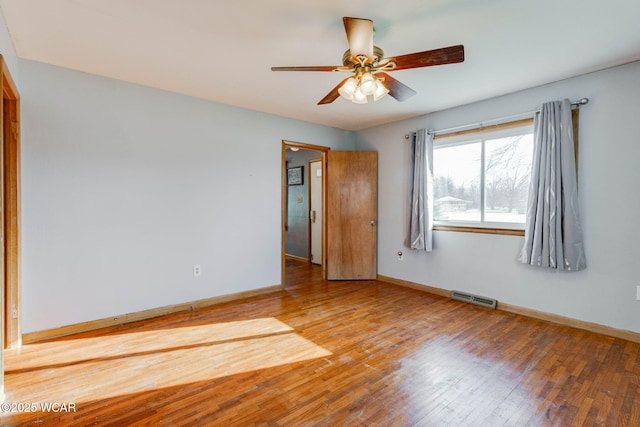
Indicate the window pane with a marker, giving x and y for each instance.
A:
(507, 176)
(457, 182)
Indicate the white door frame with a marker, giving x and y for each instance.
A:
(316, 212)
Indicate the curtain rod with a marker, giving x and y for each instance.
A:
(577, 103)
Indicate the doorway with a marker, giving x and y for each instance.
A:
(10, 334)
(297, 215)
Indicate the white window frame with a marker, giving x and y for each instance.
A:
(474, 136)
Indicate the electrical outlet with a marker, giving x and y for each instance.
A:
(400, 256)
(197, 270)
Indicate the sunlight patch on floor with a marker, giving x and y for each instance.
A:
(65, 351)
(84, 370)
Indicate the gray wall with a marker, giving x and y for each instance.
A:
(125, 188)
(485, 264)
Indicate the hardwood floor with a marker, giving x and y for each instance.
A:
(330, 354)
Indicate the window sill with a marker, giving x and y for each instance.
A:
(482, 230)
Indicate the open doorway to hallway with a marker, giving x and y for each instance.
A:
(303, 234)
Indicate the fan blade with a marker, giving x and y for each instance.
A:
(333, 95)
(360, 36)
(305, 68)
(445, 55)
(397, 90)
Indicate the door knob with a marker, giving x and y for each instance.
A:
(373, 222)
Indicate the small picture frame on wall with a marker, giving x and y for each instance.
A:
(295, 175)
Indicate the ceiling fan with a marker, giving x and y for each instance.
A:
(368, 65)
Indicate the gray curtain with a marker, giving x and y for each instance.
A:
(420, 235)
(553, 235)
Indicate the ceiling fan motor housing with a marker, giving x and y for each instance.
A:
(351, 61)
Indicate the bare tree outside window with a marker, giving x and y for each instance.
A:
(456, 189)
(507, 175)
(459, 172)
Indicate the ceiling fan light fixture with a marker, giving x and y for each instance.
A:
(348, 89)
(369, 66)
(380, 91)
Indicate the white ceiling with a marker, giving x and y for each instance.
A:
(223, 50)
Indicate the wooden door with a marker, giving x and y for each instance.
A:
(315, 211)
(351, 207)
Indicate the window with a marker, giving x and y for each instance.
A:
(481, 178)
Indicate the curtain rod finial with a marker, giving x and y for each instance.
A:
(406, 136)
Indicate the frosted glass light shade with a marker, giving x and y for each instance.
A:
(380, 91)
(359, 97)
(368, 84)
(348, 88)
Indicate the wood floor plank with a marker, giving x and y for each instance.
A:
(325, 353)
